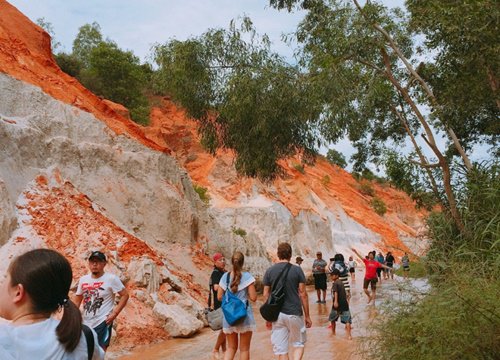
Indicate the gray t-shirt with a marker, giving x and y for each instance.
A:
(292, 304)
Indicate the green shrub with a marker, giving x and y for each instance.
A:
(366, 188)
(379, 206)
(202, 193)
(325, 180)
(299, 168)
(239, 231)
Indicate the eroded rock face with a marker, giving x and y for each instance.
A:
(178, 322)
(142, 190)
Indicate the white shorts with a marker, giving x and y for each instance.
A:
(288, 329)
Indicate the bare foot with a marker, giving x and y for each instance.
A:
(215, 355)
(349, 337)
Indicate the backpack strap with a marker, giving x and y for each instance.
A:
(90, 341)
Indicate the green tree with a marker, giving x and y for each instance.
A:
(362, 60)
(336, 158)
(464, 74)
(117, 75)
(69, 64)
(89, 37)
(246, 98)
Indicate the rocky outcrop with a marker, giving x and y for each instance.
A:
(178, 322)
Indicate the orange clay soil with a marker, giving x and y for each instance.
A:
(25, 54)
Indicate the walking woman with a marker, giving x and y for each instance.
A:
(35, 287)
(242, 284)
(371, 266)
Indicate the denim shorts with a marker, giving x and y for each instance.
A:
(345, 316)
(103, 332)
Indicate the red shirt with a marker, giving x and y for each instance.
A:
(371, 268)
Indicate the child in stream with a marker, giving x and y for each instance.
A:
(340, 306)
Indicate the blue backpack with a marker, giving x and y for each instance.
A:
(233, 308)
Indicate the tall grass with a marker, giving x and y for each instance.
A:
(460, 316)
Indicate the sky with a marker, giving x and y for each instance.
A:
(137, 25)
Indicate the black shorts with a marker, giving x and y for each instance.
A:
(372, 282)
(320, 281)
(103, 332)
(351, 270)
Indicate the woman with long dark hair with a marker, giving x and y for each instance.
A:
(242, 284)
(35, 287)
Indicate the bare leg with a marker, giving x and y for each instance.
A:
(232, 346)
(348, 330)
(245, 340)
(318, 292)
(324, 296)
(283, 357)
(368, 294)
(333, 327)
(220, 343)
(297, 353)
(374, 295)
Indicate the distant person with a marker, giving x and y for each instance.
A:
(380, 258)
(218, 271)
(242, 284)
(290, 328)
(352, 268)
(340, 304)
(338, 262)
(389, 261)
(370, 274)
(299, 260)
(98, 290)
(319, 274)
(405, 261)
(35, 287)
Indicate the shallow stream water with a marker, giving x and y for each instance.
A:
(321, 344)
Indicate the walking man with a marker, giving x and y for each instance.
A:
(290, 328)
(219, 270)
(98, 290)
(405, 261)
(319, 274)
(299, 260)
(389, 261)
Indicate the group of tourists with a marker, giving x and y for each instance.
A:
(288, 329)
(290, 325)
(44, 322)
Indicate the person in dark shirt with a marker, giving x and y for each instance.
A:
(389, 261)
(219, 265)
(340, 306)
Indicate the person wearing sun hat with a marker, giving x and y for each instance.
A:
(97, 290)
(218, 271)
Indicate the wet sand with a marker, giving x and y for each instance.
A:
(321, 344)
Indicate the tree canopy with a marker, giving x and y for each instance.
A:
(246, 98)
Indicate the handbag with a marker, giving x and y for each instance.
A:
(270, 310)
(233, 308)
(214, 318)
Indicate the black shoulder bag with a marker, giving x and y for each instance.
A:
(270, 310)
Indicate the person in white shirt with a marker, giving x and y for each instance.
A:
(98, 290)
(35, 287)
